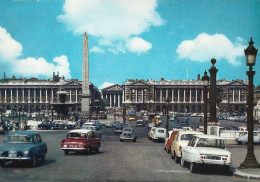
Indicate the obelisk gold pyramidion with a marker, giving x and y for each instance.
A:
(85, 80)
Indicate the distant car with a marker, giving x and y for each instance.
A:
(185, 121)
(108, 124)
(23, 146)
(140, 123)
(128, 134)
(243, 139)
(114, 124)
(207, 150)
(231, 118)
(158, 133)
(47, 125)
(98, 124)
(119, 129)
(181, 140)
(95, 130)
(80, 140)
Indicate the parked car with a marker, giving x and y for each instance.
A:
(140, 123)
(80, 140)
(169, 141)
(95, 130)
(207, 150)
(23, 146)
(128, 134)
(185, 121)
(47, 125)
(244, 138)
(181, 140)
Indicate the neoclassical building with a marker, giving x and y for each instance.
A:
(34, 95)
(114, 95)
(184, 96)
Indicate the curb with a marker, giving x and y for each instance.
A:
(240, 174)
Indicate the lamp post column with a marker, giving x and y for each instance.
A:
(167, 117)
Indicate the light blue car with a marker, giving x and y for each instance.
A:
(23, 146)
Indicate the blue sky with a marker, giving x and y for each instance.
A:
(128, 39)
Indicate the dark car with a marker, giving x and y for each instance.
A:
(185, 121)
(23, 146)
(140, 123)
(119, 129)
(47, 125)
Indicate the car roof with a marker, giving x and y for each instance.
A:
(190, 132)
(209, 136)
(129, 128)
(29, 133)
(80, 131)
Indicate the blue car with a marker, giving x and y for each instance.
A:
(23, 146)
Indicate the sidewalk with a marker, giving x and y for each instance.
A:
(238, 157)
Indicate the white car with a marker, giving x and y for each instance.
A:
(205, 150)
(244, 138)
(95, 130)
(157, 133)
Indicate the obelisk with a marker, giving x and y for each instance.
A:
(85, 80)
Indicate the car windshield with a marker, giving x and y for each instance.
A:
(129, 130)
(211, 142)
(186, 136)
(76, 135)
(18, 139)
(160, 131)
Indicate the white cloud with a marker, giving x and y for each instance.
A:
(204, 47)
(105, 84)
(138, 45)
(113, 22)
(11, 50)
(97, 50)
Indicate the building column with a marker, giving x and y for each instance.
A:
(110, 101)
(123, 97)
(23, 95)
(34, 95)
(5, 96)
(11, 95)
(118, 100)
(70, 96)
(114, 100)
(233, 95)
(40, 95)
(136, 95)
(178, 95)
(160, 95)
(239, 96)
(76, 96)
(190, 95)
(52, 95)
(46, 96)
(17, 95)
(196, 95)
(29, 96)
(173, 95)
(202, 99)
(167, 94)
(184, 95)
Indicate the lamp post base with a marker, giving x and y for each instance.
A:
(250, 162)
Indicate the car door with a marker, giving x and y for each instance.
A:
(189, 150)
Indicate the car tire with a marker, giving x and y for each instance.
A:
(66, 152)
(183, 163)
(134, 140)
(34, 161)
(192, 167)
(176, 158)
(3, 164)
(43, 158)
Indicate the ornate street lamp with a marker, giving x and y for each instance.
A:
(167, 117)
(205, 80)
(250, 160)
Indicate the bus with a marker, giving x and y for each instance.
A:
(131, 114)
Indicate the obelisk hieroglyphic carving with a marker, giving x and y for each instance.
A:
(85, 79)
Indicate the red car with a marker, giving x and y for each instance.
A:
(80, 140)
(169, 141)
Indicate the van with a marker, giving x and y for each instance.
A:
(158, 133)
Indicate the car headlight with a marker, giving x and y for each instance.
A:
(26, 154)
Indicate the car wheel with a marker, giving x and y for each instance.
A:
(192, 167)
(66, 152)
(176, 158)
(33, 161)
(43, 158)
(183, 163)
(3, 164)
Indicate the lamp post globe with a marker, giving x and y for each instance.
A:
(250, 53)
